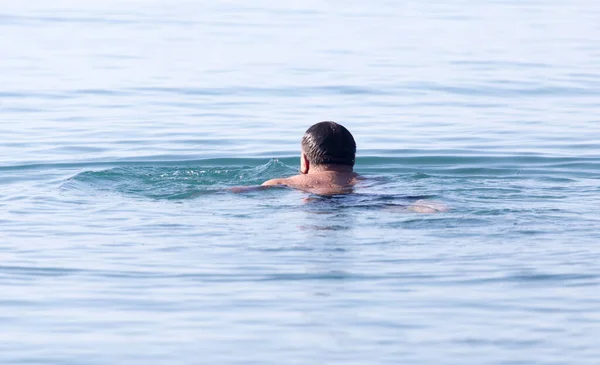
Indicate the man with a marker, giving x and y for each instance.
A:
(326, 166)
(326, 161)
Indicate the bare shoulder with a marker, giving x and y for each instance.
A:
(297, 181)
(292, 181)
(274, 182)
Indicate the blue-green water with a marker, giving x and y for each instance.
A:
(124, 123)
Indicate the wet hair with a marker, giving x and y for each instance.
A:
(329, 143)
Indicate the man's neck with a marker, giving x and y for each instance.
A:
(330, 168)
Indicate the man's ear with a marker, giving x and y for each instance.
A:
(304, 164)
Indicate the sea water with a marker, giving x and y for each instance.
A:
(124, 124)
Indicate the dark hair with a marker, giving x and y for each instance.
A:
(329, 143)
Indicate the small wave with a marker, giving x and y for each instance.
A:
(177, 182)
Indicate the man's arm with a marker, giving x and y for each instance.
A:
(265, 185)
(274, 182)
(245, 189)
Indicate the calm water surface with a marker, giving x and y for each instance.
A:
(123, 123)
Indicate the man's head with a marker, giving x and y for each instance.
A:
(327, 143)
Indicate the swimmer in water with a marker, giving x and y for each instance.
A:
(327, 157)
(326, 161)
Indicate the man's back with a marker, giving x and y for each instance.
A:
(321, 182)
